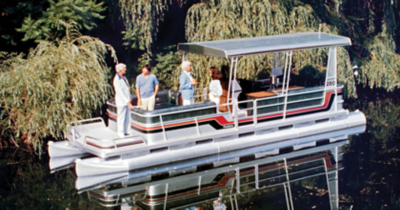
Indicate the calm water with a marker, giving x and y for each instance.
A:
(369, 179)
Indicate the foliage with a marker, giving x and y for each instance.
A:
(372, 26)
(58, 82)
(51, 24)
(228, 19)
(165, 70)
(142, 19)
(12, 14)
(381, 68)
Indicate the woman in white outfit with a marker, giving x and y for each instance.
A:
(215, 85)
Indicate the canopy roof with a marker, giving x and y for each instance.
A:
(264, 44)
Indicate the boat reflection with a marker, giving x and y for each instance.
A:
(223, 184)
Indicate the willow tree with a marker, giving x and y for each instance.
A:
(371, 25)
(142, 20)
(56, 83)
(228, 19)
(376, 43)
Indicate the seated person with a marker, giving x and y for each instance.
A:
(215, 85)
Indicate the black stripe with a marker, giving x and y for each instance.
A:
(270, 119)
(246, 123)
(315, 111)
(302, 113)
(212, 123)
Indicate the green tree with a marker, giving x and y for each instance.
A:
(142, 20)
(51, 25)
(58, 82)
(12, 14)
(372, 26)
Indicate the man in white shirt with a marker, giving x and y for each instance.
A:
(122, 100)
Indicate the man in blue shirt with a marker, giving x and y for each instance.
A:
(146, 89)
(187, 83)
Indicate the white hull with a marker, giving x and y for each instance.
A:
(295, 137)
(63, 149)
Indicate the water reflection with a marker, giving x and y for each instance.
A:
(257, 180)
(369, 179)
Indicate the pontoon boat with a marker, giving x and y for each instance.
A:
(283, 111)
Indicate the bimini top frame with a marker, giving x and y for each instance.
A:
(235, 48)
(265, 44)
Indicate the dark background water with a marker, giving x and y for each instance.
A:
(369, 179)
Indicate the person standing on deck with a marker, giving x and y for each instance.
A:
(187, 84)
(122, 100)
(146, 89)
(215, 85)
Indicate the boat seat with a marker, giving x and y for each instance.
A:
(174, 116)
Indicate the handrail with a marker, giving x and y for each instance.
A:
(291, 164)
(186, 110)
(287, 86)
(291, 102)
(225, 104)
(162, 125)
(197, 126)
(204, 95)
(281, 96)
(87, 120)
(254, 108)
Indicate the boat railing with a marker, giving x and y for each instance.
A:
(256, 105)
(232, 103)
(110, 202)
(117, 199)
(82, 122)
(316, 171)
(87, 121)
(200, 94)
(285, 173)
(160, 116)
(117, 142)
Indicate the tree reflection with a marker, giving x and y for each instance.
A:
(371, 163)
(26, 183)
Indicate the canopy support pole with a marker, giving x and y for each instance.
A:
(331, 74)
(230, 89)
(287, 83)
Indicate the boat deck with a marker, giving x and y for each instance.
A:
(96, 134)
(97, 130)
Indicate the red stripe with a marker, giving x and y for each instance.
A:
(222, 121)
